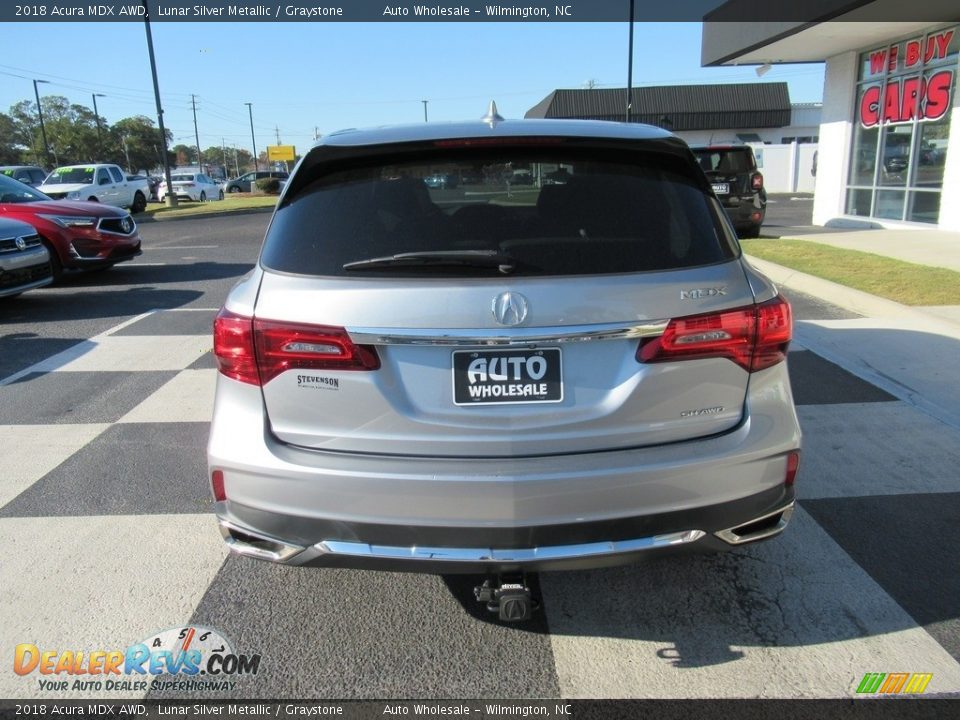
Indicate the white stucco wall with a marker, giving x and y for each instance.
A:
(836, 131)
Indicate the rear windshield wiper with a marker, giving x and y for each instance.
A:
(467, 258)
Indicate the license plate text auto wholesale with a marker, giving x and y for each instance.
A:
(507, 376)
(721, 188)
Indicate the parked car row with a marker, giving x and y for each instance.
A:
(74, 235)
(191, 186)
(245, 182)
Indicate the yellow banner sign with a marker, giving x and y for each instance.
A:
(280, 153)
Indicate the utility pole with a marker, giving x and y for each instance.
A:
(256, 162)
(171, 197)
(196, 133)
(223, 145)
(316, 133)
(425, 109)
(278, 134)
(236, 159)
(126, 152)
(43, 130)
(630, 66)
(96, 114)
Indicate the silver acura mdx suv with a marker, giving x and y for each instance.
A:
(479, 376)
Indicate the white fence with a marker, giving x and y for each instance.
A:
(786, 168)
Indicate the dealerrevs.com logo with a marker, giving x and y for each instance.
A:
(189, 658)
(894, 683)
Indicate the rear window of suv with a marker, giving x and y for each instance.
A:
(573, 213)
(732, 160)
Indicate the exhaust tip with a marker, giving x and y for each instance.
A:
(245, 542)
(760, 528)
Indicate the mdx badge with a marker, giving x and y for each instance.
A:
(697, 293)
(510, 308)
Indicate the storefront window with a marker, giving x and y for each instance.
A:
(924, 207)
(902, 122)
(858, 202)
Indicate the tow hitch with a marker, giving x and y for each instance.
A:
(509, 596)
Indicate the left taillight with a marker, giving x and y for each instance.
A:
(255, 351)
(753, 337)
(233, 347)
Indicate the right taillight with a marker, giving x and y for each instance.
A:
(753, 337)
(756, 182)
(255, 351)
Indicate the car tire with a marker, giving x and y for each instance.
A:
(139, 202)
(56, 267)
(93, 198)
(203, 196)
(221, 195)
(750, 232)
(233, 189)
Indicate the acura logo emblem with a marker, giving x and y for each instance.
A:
(21, 243)
(126, 224)
(510, 308)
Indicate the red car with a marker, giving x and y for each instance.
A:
(78, 235)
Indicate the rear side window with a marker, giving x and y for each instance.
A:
(568, 213)
(738, 160)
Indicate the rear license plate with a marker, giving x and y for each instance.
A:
(721, 188)
(491, 377)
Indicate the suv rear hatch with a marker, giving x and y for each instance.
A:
(730, 170)
(485, 320)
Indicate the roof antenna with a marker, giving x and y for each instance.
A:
(492, 117)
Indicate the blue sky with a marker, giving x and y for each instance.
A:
(307, 77)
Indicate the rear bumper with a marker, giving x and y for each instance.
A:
(307, 507)
(550, 547)
(746, 211)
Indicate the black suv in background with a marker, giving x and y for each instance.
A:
(732, 171)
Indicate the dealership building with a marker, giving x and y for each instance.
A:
(889, 141)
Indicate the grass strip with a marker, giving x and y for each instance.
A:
(903, 282)
(230, 203)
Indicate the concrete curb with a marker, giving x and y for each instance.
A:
(897, 378)
(202, 216)
(848, 298)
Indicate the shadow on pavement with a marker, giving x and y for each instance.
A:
(155, 274)
(49, 306)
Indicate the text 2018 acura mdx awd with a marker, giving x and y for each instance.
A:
(479, 376)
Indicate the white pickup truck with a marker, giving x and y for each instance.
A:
(99, 183)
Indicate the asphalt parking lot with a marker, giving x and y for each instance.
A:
(105, 392)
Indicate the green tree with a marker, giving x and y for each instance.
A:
(142, 141)
(184, 154)
(71, 130)
(27, 130)
(12, 150)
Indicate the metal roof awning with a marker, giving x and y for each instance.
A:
(826, 28)
(677, 107)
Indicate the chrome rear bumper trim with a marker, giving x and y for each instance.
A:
(555, 552)
(501, 337)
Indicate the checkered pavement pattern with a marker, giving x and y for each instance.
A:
(108, 538)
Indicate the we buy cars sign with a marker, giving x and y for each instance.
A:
(927, 97)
